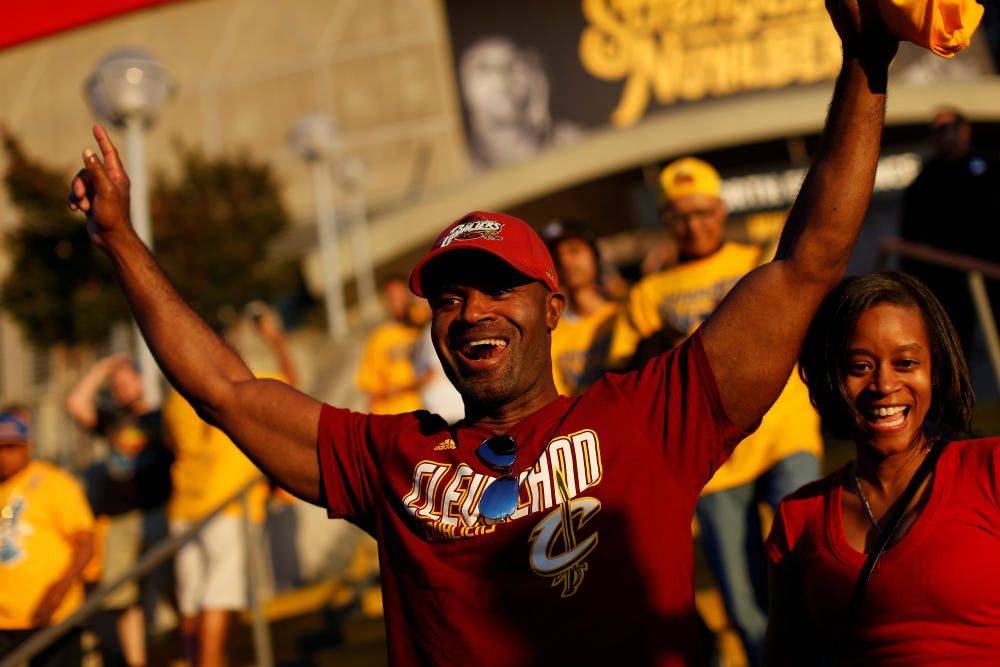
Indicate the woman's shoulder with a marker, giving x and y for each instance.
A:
(974, 452)
(810, 499)
(819, 488)
(801, 516)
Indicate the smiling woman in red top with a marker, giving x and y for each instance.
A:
(884, 368)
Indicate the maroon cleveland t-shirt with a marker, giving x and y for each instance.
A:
(596, 564)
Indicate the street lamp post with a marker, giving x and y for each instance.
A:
(353, 174)
(127, 89)
(315, 137)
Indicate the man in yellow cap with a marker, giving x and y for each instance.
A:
(783, 454)
(46, 540)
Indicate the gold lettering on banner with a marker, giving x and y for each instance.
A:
(686, 50)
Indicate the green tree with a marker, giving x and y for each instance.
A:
(211, 227)
(58, 289)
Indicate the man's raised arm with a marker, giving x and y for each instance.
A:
(753, 338)
(275, 425)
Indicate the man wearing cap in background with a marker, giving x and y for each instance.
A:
(127, 490)
(581, 342)
(783, 454)
(540, 529)
(954, 205)
(46, 540)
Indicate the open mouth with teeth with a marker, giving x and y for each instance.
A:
(886, 416)
(483, 349)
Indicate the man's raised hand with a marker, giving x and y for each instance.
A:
(862, 31)
(101, 190)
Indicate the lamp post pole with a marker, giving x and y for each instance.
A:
(127, 89)
(316, 139)
(329, 253)
(135, 161)
(353, 176)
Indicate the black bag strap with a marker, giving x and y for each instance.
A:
(857, 600)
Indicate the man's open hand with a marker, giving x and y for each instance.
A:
(101, 190)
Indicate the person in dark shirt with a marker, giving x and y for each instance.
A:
(127, 491)
(954, 205)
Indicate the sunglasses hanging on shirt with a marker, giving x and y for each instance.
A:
(499, 500)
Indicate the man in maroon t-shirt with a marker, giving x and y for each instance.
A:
(540, 528)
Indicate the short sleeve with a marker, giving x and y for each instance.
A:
(674, 404)
(368, 377)
(643, 312)
(73, 510)
(624, 340)
(994, 468)
(347, 466)
(800, 521)
(777, 546)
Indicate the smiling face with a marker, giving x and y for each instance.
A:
(491, 329)
(698, 222)
(887, 373)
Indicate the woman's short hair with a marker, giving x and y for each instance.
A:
(823, 358)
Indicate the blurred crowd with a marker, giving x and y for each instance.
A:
(159, 472)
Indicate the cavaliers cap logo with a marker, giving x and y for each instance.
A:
(473, 228)
(683, 177)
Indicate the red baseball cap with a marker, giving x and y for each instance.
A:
(504, 236)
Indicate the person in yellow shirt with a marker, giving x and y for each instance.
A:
(46, 541)
(386, 372)
(212, 569)
(581, 342)
(783, 453)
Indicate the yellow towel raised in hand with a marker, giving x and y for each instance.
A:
(943, 26)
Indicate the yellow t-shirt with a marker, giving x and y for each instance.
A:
(580, 348)
(208, 467)
(387, 366)
(41, 509)
(681, 298)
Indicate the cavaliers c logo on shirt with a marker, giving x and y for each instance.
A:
(556, 551)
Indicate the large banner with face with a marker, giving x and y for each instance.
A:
(534, 74)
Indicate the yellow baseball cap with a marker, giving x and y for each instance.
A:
(688, 176)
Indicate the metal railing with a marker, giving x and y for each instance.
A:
(976, 270)
(152, 559)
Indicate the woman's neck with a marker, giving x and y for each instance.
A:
(888, 475)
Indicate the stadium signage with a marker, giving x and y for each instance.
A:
(687, 50)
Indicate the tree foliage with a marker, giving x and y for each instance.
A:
(58, 289)
(211, 228)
